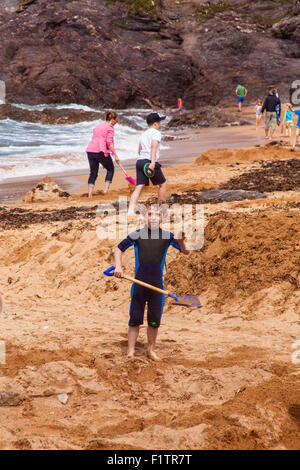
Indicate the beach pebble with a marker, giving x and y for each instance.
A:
(30, 367)
(63, 398)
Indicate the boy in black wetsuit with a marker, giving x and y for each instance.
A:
(151, 244)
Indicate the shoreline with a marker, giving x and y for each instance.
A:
(183, 150)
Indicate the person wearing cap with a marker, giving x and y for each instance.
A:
(148, 152)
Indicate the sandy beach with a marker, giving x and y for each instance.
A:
(228, 377)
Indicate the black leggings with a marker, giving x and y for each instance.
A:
(94, 160)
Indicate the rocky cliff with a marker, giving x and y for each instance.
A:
(124, 53)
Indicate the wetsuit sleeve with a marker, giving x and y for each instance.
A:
(126, 243)
(174, 243)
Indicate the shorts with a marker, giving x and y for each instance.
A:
(139, 297)
(270, 120)
(240, 99)
(289, 123)
(180, 108)
(141, 178)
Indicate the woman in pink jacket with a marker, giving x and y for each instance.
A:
(97, 151)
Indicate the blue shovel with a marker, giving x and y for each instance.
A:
(185, 300)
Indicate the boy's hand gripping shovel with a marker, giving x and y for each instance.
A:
(185, 300)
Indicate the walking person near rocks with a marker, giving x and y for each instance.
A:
(288, 120)
(97, 151)
(269, 105)
(241, 93)
(180, 106)
(258, 112)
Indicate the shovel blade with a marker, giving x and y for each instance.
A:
(188, 301)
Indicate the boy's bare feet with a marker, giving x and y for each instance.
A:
(130, 355)
(152, 355)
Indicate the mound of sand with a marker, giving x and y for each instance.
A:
(228, 376)
(242, 254)
(45, 190)
(245, 155)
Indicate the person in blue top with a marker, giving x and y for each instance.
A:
(288, 120)
(151, 244)
(297, 113)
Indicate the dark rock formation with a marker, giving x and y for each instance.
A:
(57, 116)
(124, 53)
(207, 116)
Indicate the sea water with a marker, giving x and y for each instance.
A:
(29, 149)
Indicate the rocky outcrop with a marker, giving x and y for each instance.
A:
(289, 30)
(49, 115)
(124, 53)
(57, 116)
(207, 116)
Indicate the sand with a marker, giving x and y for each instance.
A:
(228, 377)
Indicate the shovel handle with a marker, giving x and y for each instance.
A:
(112, 153)
(122, 169)
(110, 272)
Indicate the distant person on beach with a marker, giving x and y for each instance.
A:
(288, 120)
(180, 106)
(283, 127)
(98, 151)
(270, 104)
(241, 93)
(151, 244)
(297, 130)
(258, 112)
(148, 153)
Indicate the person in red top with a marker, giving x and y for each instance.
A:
(180, 105)
(98, 151)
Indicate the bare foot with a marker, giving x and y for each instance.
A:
(130, 355)
(152, 355)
